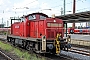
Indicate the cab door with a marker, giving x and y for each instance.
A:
(36, 29)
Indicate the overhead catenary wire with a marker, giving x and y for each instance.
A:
(83, 9)
(67, 3)
(27, 4)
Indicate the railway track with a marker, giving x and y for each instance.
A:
(49, 56)
(46, 56)
(80, 51)
(3, 56)
(59, 57)
(64, 56)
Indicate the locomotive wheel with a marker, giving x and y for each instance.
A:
(23, 44)
(9, 39)
(28, 47)
(12, 42)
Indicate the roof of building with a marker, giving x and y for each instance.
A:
(76, 17)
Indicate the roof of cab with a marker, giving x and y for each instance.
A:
(35, 14)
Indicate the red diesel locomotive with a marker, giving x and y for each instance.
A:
(39, 33)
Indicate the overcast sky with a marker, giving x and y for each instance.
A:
(10, 8)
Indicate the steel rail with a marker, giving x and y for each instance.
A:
(6, 56)
(80, 51)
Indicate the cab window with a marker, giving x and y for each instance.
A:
(42, 17)
(54, 25)
(22, 19)
(32, 17)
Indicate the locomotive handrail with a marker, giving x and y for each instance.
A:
(57, 43)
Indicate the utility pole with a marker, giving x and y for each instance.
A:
(2, 20)
(7, 23)
(74, 8)
(61, 11)
(86, 24)
(64, 7)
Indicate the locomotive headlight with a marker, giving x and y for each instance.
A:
(54, 20)
(44, 38)
(69, 38)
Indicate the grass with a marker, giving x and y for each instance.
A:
(23, 55)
